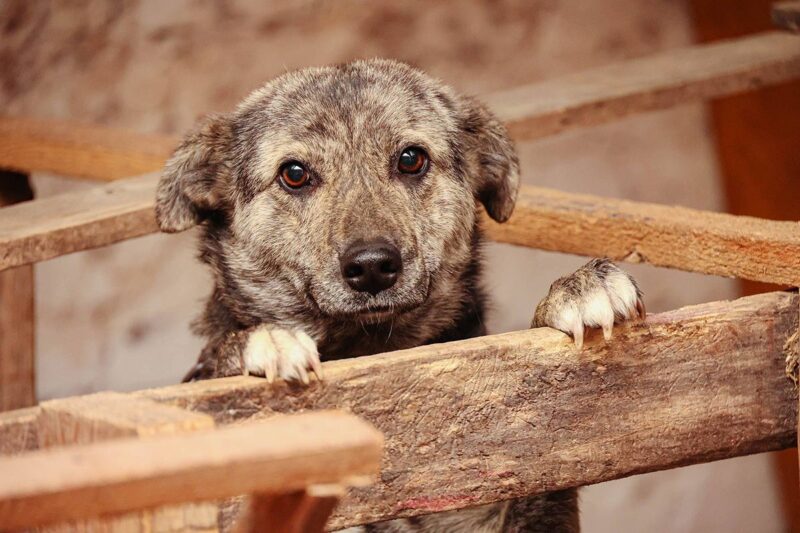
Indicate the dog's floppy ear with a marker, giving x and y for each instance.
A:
(492, 163)
(196, 178)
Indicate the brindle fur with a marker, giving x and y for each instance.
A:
(275, 254)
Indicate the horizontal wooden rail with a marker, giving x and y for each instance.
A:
(280, 455)
(675, 237)
(786, 15)
(520, 413)
(656, 82)
(532, 111)
(80, 150)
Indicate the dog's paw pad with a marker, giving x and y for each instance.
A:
(285, 354)
(597, 295)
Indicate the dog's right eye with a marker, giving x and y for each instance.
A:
(293, 175)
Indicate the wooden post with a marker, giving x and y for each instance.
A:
(17, 382)
(108, 415)
(299, 512)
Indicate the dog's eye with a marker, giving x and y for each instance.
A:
(412, 160)
(294, 175)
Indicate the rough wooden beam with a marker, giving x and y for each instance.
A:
(786, 15)
(521, 413)
(279, 455)
(656, 82)
(674, 237)
(80, 150)
(110, 415)
(17, 319)
(668, 236)
(75, 221)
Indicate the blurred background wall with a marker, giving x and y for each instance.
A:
(117, 318)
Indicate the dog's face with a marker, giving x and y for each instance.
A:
(349, 190)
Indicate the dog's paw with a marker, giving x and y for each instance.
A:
(275, 352)
(598, 294)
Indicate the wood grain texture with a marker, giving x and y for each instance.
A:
(106, 416)
(70, 222)
(79, 150)
(17, 318)
(279, 455)
(656, 82)
(786, 15)
(521, 413)
(667, 236)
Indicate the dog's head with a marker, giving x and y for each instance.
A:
(350, 189)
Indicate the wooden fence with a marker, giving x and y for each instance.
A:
(466, 422)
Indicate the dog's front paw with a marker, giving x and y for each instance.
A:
(596, 295)
(275, 352)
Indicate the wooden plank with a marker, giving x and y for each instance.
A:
(70, 222)
(521, 413)
(786, 15)
(667, 236)
(109, 415)
(79, 150)
(17, 320)
(656, 82)
(298, 512)
(279, 455)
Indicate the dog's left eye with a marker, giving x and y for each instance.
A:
(412, 160)
(294, 175)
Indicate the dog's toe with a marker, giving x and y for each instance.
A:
(276, 352)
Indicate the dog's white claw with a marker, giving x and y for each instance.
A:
(275, 352)
(616, 299)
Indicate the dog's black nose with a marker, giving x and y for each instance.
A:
(371, 267)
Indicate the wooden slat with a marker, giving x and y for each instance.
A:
(674, 237)
(17, 318)
(109, 415)
(649, 83)
(80, 150)
(278, 455)
(70, 222)
(520, 413)
(786, 15)
(668, 236)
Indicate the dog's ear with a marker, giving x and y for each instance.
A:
(492, 163)
(197, 177)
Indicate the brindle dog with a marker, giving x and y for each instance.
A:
(339, 212)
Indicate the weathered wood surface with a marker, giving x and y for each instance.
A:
(80, 150)
(668, 236)
(675, 237)
(17, 319)
(109, 415)
(786, 15)
(283, 454)
(70, 222)
(521, 413)
(656, 82)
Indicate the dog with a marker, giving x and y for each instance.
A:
(340, 217)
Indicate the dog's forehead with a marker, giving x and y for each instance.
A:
(377, 103)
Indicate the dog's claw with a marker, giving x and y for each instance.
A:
(278, 353)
